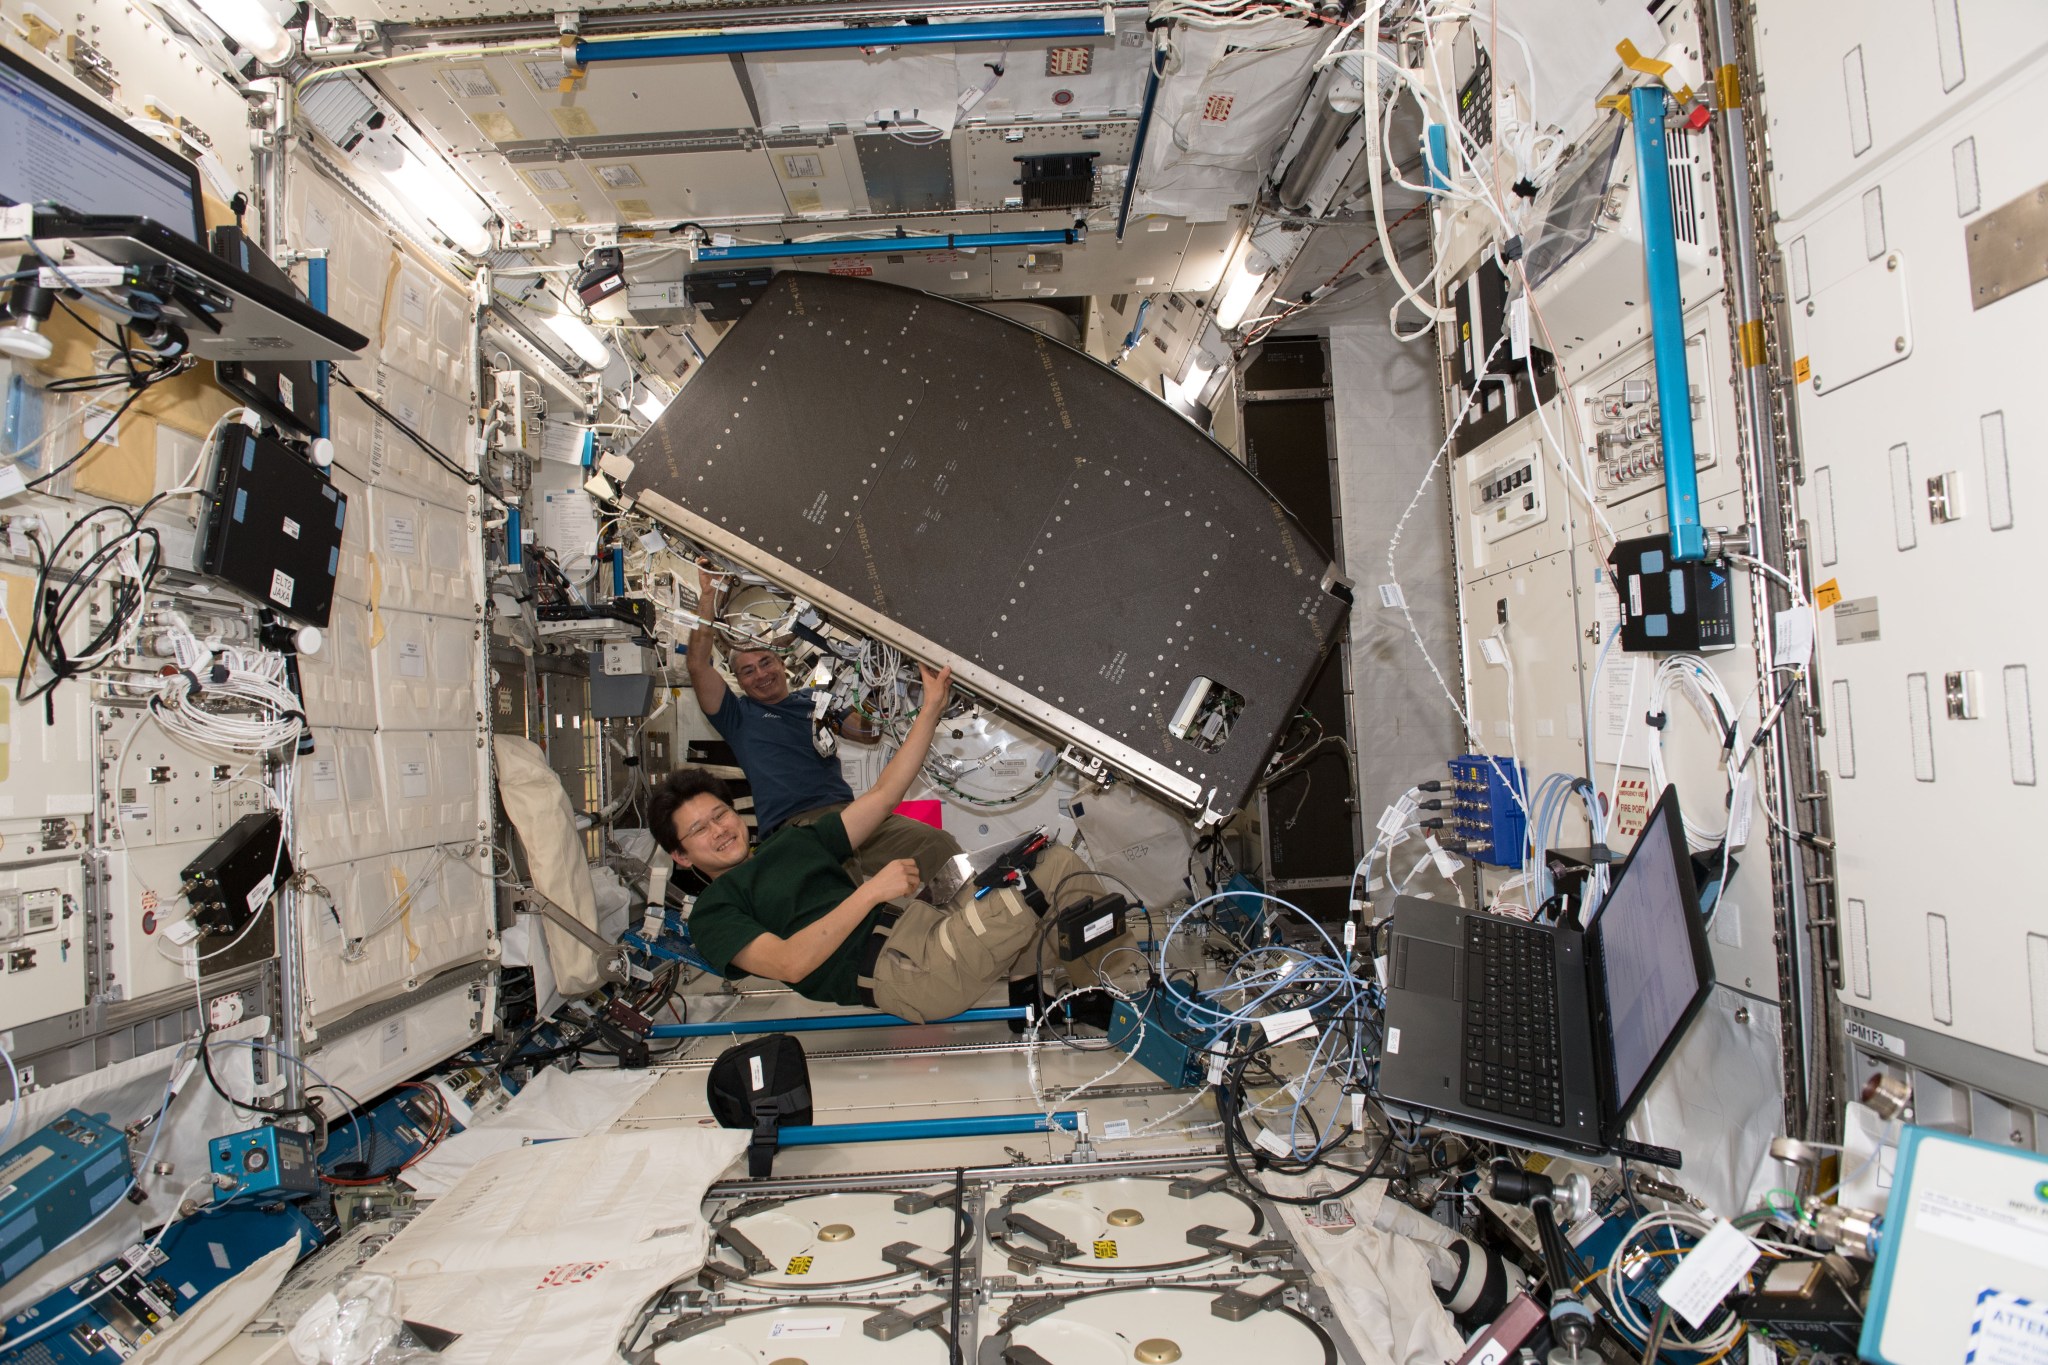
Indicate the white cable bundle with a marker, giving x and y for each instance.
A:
(226, 699)
(1691, 676)
(1226, 13)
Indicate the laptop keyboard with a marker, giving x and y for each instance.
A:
(1511, 1053)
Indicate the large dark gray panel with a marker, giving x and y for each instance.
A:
(1077, 551)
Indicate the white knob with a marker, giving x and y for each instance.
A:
(323, 451)
(310, 639)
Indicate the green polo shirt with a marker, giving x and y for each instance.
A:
(794, 879)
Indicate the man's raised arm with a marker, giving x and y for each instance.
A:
(704, 679)
(868, 810)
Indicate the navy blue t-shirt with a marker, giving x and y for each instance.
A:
(773, 746)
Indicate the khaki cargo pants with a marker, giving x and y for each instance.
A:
(898, 836)
(937, 961)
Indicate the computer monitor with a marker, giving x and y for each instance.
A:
(60, 147)
(1651, 947)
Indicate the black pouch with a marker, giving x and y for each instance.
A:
(761, 1085)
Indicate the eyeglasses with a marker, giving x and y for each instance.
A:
(718, 818)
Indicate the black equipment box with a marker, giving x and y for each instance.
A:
(237, 874)
(1668, 607)
(1088, 924)
(273, 529)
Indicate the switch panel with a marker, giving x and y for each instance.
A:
(1507, 496)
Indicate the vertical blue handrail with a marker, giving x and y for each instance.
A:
(1667, 323)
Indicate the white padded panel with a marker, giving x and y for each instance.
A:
(342, 813)
(431, 782)
(398, 464)
(337, 679)
(425, 670)
(417, 914)
(427, 556)
(424, 320)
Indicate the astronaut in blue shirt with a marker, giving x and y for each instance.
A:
(770, 728)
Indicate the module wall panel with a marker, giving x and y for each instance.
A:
(1926, 636)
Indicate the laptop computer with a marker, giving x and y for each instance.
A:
(1548, 1035)
(98, 204)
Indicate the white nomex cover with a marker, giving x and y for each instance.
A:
(545, 1254)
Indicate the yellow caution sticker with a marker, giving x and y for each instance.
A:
(1750, 340)
(1827, 594)
(798, 1265)
(1105, 1249)
(1801, 368)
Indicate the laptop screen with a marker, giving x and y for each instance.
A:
(1650, 950)
(61, 149)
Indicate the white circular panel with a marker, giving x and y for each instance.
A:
(1124, 1224)
(812, 1333)
(833, 1241)
(1170, 1327)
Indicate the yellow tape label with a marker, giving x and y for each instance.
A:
(1750, 341)
(1827, 594)
(1636, 61)
(1727, 87)
(1801, 368)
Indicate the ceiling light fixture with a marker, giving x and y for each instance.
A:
(253, 27)
(1245, 277)
(575, 333)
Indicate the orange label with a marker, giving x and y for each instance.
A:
(1800, 370)
(1827, 594)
